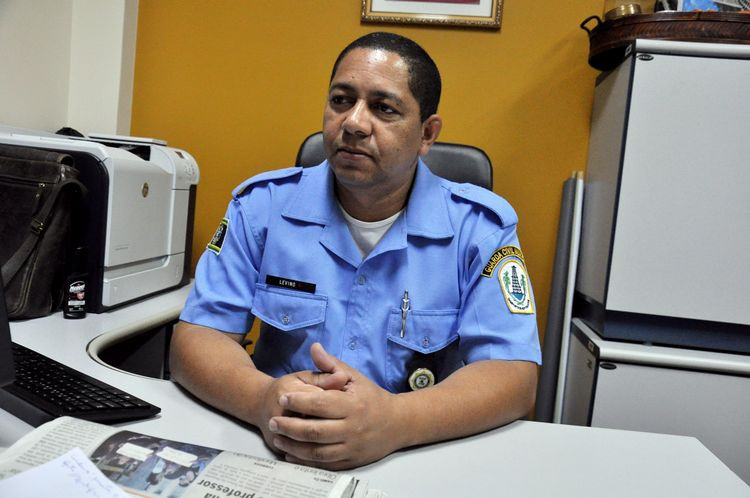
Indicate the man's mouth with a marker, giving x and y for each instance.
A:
(353, 152)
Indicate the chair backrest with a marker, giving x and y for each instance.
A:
(455, 162)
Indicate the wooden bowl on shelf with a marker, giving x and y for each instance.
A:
(609, 40)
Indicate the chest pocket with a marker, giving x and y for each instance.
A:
(288, 310)
(429, 341)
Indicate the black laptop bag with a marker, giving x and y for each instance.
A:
(39, 198)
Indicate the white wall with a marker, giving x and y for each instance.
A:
(67, 63)
(34, 62)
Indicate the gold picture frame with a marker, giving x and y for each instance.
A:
(466, 13)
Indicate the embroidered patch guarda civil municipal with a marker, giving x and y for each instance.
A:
(218, 239)
(513, 278)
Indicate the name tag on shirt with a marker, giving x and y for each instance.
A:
(288, 283)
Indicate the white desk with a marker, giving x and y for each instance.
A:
(521, 459)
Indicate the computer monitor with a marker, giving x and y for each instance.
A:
(7, 368)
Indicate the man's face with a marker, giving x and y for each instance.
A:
(371, 125)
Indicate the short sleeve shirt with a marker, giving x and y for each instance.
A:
(284, 254)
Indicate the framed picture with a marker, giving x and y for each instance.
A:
(467, 13)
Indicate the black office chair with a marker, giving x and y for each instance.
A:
(455, 162)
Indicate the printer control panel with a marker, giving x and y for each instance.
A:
(178, 163)
(186, 168)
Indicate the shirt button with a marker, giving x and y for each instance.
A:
(426, 341)
(361, 280)
(285, 319)
(353, 344)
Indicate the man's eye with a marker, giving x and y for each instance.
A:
(338, 100)
(385, 109)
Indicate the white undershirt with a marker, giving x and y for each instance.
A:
(367, 234)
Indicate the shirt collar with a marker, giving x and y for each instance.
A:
(426, 211)
(315, 201)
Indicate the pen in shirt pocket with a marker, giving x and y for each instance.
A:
(404, 311)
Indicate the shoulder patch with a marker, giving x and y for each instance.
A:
(218, 239)
(277, 174)
(487, 199)
(515, 284)
(513, 278)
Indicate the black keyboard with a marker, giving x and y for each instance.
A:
(45, 389)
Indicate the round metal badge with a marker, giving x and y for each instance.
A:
(421, 378)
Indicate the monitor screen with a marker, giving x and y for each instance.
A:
(7, 369)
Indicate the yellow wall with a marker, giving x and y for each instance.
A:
(239, 84)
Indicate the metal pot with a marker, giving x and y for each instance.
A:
(621, 9)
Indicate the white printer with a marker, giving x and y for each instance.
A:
(139, 211)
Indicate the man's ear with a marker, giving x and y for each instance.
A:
(430, 131)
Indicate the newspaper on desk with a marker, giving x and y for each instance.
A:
(150, 466)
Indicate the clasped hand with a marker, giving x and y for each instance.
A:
(334, 419)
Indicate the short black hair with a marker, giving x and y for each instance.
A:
(424, 77)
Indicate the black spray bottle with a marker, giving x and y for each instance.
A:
(74, 304)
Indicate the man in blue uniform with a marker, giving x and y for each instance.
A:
(396, 307)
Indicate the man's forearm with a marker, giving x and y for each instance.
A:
(477, 397)
(217, 369)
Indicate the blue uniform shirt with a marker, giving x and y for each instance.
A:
(284, 254)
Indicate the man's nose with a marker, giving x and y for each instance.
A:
(357, 121)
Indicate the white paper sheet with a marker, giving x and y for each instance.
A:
(71, 474)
